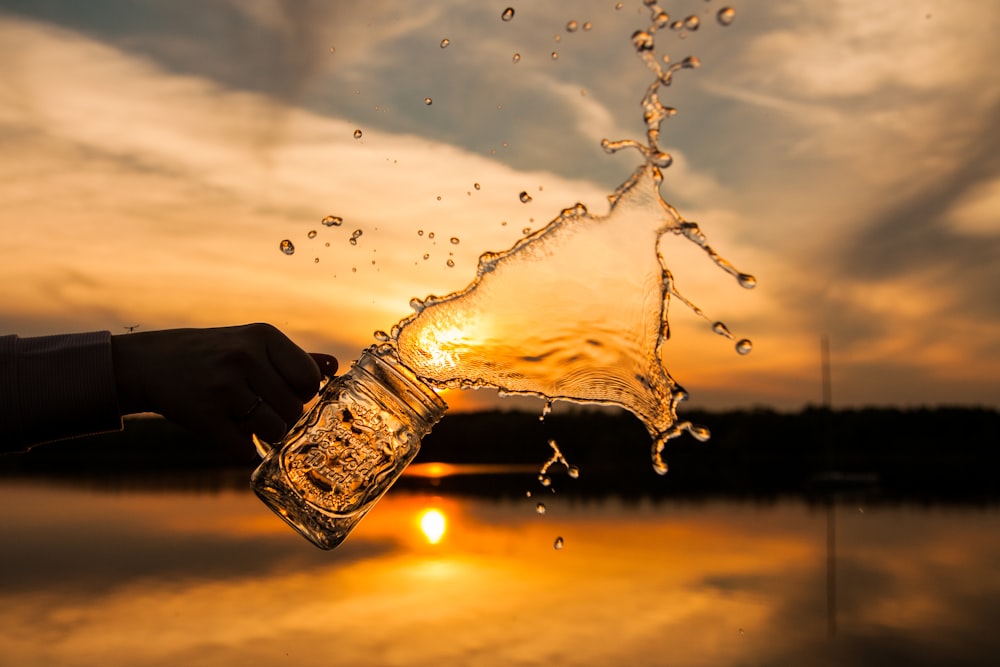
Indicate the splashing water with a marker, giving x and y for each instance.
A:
(578, 309)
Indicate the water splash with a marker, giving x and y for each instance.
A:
(578, 309)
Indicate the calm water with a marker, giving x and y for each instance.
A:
(197, 578)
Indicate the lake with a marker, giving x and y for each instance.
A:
(190, 576)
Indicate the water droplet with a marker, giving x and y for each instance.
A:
(692, 22)
(524, 196)
(445, 42)
(355, 235)
(381, 336)
(747, 281)
(555, 55)
(454, 240)
(427, 255)
(744, 346)
(439, 197)
(527, 494)
(516, 58)
(428, 101)
(721, 329)
(558, 544)
(618, 6)
(476, 185)
(526, 231)
(573, 472)
(332, 221)
(545, 480)
(691, 62)
(572, 26)
(287, 247)
(420, 232)
(357, 134)
(587, 25)
(430, 235)
(726, 15)
(557, 37)
(540, 508)
(642, 40)
(450, 263)
(333, 49)
(508, 14)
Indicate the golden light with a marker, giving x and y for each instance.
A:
(433, 525)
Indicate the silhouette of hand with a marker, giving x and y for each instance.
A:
(227, 383)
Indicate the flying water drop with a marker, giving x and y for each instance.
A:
(332, 221)
(726, 15)
(445, 42)
(428, 101)
(508, 14)
(558, 544)
(744, 346)
(540, 508)
(287, 247)
(524, 197)
(357, 134)
(722, 330)
(311, 234)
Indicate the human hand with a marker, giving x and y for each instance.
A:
(227, 383)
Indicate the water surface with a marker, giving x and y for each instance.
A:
(194, 578)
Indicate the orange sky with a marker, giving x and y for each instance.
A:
(153, 161)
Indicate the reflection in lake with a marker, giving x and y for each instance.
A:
(186, 578)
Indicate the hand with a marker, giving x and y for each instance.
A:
(228, 382)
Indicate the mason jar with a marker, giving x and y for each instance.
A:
(347, 450)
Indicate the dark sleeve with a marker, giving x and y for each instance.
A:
(56, 387)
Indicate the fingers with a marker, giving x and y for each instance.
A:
(263, 421)
(293, 365)
(327, 364)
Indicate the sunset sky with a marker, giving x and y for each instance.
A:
(156, 152)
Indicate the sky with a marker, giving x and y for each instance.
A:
(155, 153)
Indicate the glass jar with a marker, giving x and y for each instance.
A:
(347, 450)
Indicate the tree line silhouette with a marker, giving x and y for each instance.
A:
(932, 454)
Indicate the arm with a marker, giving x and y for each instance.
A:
(227, 383)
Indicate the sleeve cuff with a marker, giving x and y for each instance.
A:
(63, 386)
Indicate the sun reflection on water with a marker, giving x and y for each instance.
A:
(433, 524)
